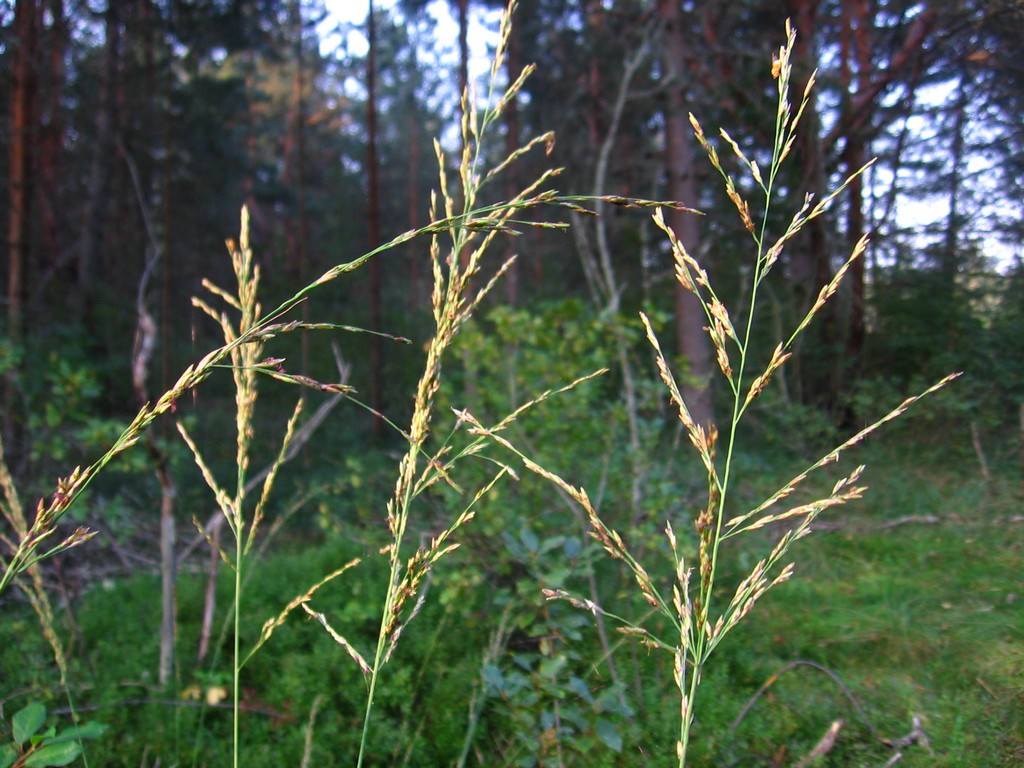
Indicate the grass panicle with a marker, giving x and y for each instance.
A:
(244, 364)
(456, 267)
(695, 608)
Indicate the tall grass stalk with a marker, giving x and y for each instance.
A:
(454, 299)
(699, 615)
(246, 361)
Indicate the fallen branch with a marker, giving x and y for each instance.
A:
(820, 668)
(911, 519)
(915, 736)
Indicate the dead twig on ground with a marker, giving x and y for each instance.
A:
(823, 747)
(916, 735)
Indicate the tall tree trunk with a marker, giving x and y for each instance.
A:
(373, 222)
(95, 210)
(416, 293)
(52, 135)
(512, 69)
(951, 247)
(463, 6)
(856, 34)
(295, 173)
(692, 341)
(24, 92)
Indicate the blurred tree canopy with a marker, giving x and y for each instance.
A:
(135, 129)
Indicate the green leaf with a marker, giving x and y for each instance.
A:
(607, 733)
(572, 548)
(55, 754)
(529, 540)
(8, 755)
(27, 721)
(39, 738)
(550, 543)
(493, 678)
(550, 667)
(577, 686)
(86, 731)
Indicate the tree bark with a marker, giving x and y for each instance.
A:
(857, 30)
(692, 341)
(373, 226)
(24, 100)
(52, 136)
(951, 248)
(463, 6)
(512, 69)
(295, 173)
(99, 170)
(417, 293)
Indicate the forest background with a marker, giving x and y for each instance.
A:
(136, 129)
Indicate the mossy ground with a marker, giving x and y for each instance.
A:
(919, 619)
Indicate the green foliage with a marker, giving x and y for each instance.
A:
(30, 745)
(927, 321)
(61, 392)
(547, 688)
(921, 618)
(513, 354)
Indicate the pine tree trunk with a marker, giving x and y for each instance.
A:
(417, 295)
(373, 222)
(295, 174)
(512, 69)
(96, 200)
(692, 341)
(463, 6)
(51, 153)
(19, 182)
(24, 92)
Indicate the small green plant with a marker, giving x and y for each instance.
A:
(30, 745)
